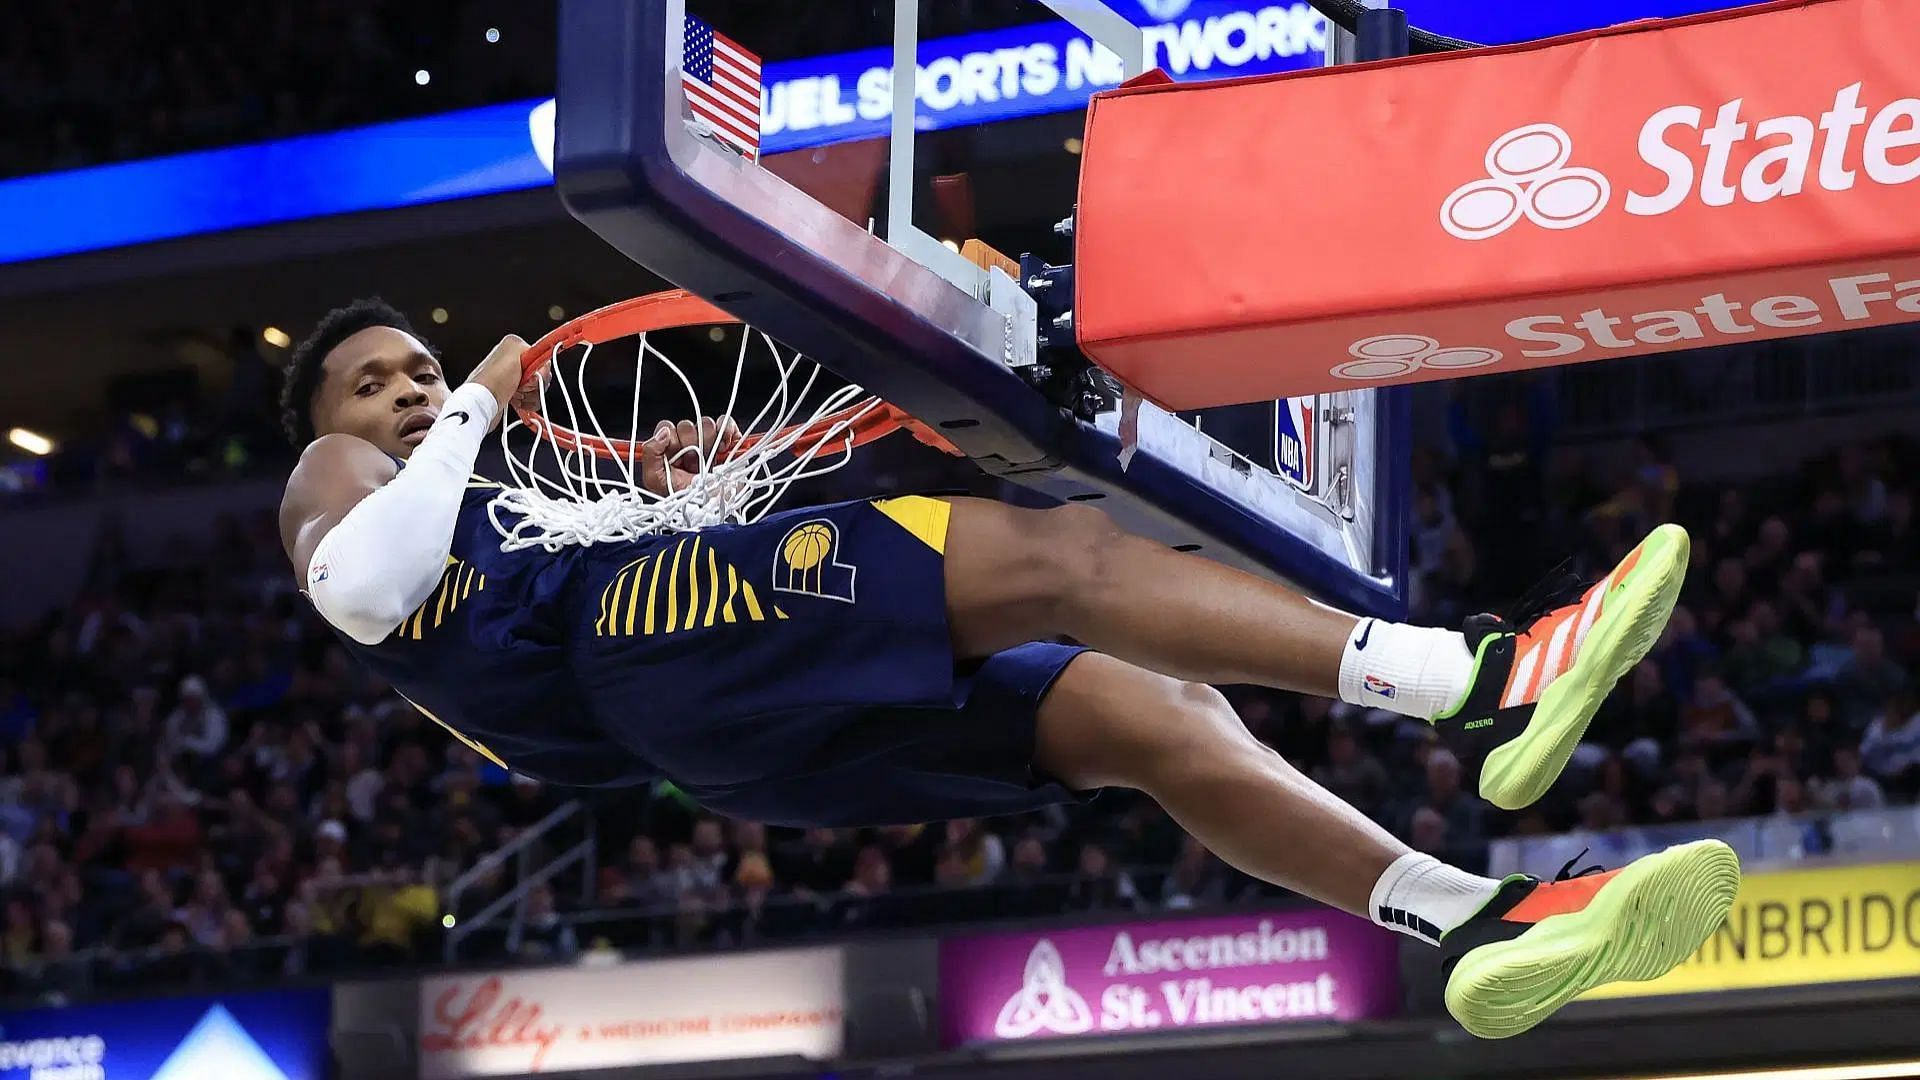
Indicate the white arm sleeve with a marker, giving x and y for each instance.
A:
(384, 558)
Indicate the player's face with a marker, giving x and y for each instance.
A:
(382, 385)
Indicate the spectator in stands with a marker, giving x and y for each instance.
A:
(169, 839)
(687, 876)
(540, 934)
(1890, 748)
(10, 856)
(1769, 556)
(1803, 598)
(1028, 865)
(396, 909)
(57, 974)
(1892, 545)
(911, 851)
(756, 915)
(865, 900)
(1601, 812)
(1761, 654)
(819, 863)
(708, 855)
(980, 852)
(1427, 831)
(1848, 788)
(1642, 719)
(1099, 885)
(1710, 801)
(1715, 716)
(744, 839)
(1352, 773)
(197, 725)
(232, 946)
(1198, 879)
(1464, 814)
(205, 913)
(1728, 601)
(20, 937)
(648, 885)
(1869, 677)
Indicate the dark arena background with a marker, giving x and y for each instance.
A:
(227, 852)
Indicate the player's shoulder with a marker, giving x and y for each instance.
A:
(331, 455)
(334, 472)
(334, 462)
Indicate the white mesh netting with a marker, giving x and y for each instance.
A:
(556, 496)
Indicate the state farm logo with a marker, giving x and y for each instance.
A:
(1044, 1001)
(1691, 155)
(1527, 176)
(1390, 356)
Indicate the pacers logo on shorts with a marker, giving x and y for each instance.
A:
(805, 563)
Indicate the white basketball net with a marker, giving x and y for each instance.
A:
(557, 497)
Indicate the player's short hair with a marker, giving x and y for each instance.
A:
(303, 367)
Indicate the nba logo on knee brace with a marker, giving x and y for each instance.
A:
(806, 563)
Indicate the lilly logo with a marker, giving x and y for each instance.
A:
(1527, 176)
(1044, 1001)
(540, 126)
(1166, 10)
(1390, 356)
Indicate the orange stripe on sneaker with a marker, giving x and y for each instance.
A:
(1521, 674)
(1559, 898)
(1627, 564)
(1545, 650)
(1541, 638)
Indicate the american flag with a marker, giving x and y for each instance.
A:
(723, 86)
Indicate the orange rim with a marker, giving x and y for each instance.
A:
(671, 310)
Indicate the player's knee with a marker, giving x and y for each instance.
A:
(1079, 541)
(1198, 733)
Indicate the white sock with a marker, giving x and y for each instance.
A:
(1422, 897)
(1412, 670)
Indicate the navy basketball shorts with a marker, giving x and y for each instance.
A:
(798, 671)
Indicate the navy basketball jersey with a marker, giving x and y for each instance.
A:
(486, 658)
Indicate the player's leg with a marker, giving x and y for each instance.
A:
(1523, 691)
(1108, 723)
(1517, 949)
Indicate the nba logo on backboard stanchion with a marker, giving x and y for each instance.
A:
(1293, 446)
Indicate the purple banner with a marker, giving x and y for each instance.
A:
(1178, 973)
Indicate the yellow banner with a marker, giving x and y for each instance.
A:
(1805, 926)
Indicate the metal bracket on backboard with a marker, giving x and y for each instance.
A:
(1014, 304)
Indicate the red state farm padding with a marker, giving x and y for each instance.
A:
(1656, 186)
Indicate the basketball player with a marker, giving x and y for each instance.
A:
(898, 661)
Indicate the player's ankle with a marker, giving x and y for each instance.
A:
(1422, 897)
(1412, 670)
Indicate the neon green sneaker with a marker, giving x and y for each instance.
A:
(1539, 944)
(1538, 680)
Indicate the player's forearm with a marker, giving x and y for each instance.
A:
(385, 557)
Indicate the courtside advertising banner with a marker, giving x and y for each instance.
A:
(1658, 186)
(556, 1020)
(1187, 973)
(1796, 927)
(268, 1036)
